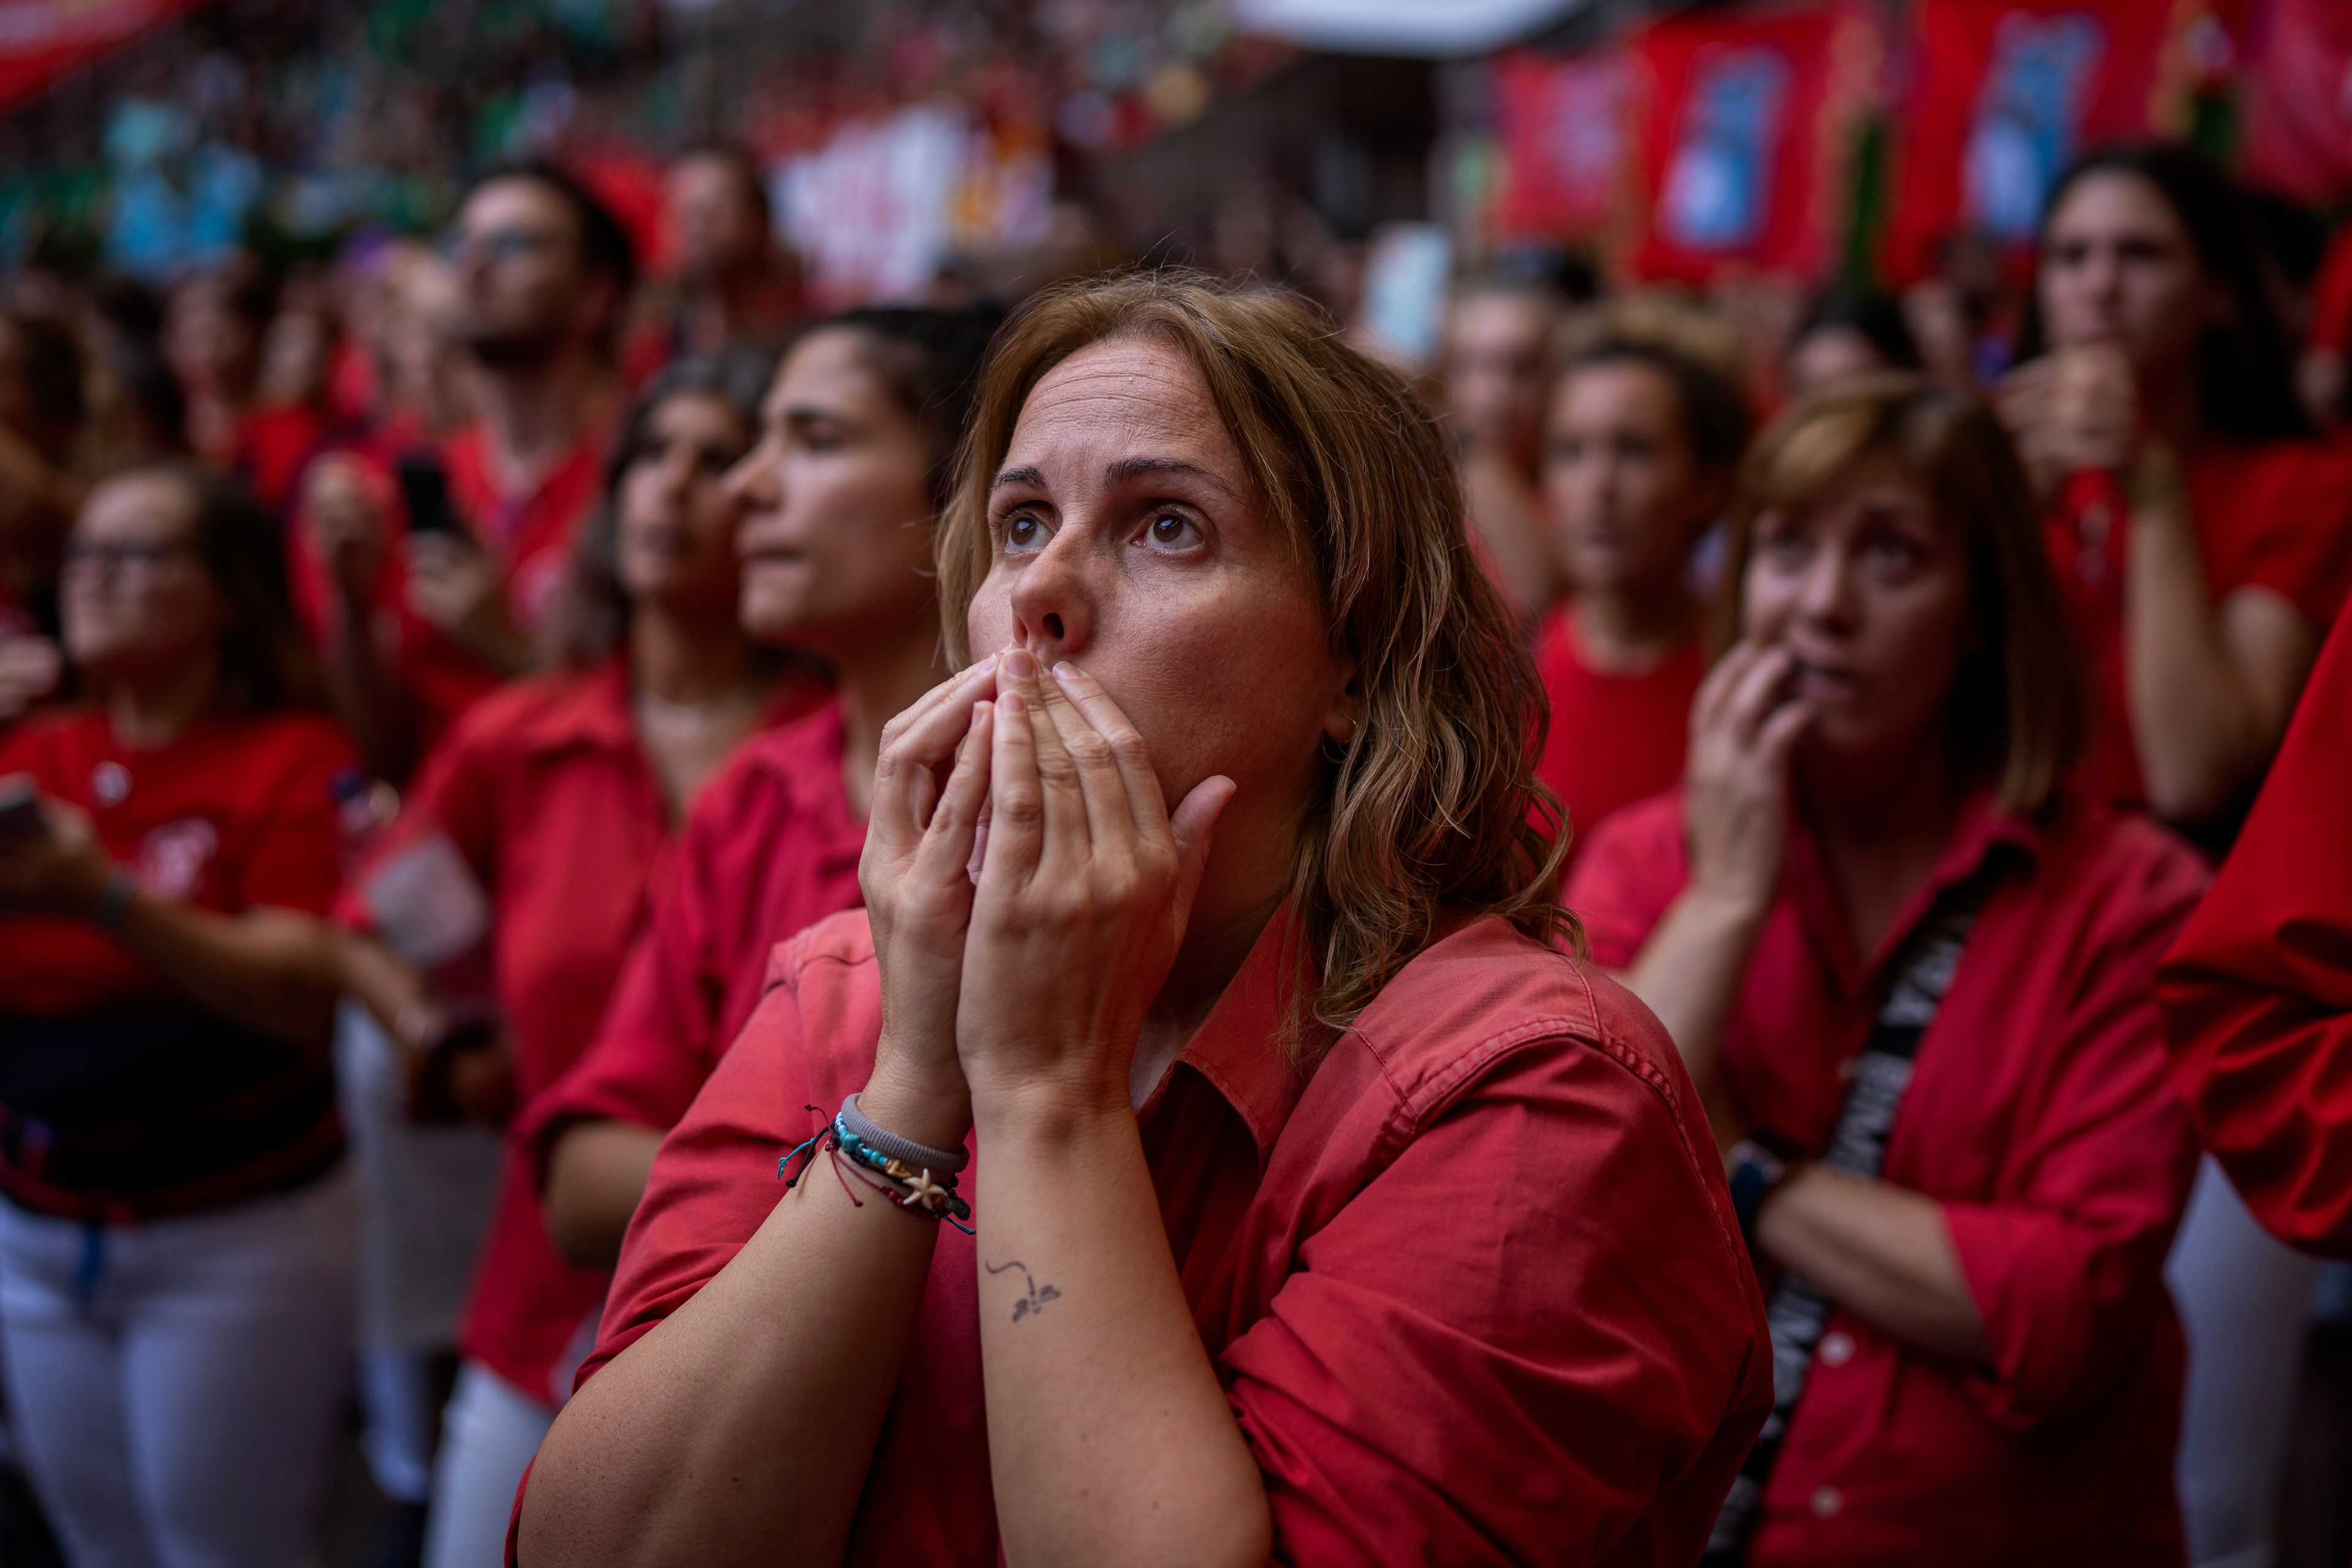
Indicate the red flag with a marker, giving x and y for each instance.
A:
(1566, 130)
(1745, 126)
(2006, 93)
(2299, 111)
(41, 40)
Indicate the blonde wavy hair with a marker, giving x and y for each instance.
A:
(1435, 813)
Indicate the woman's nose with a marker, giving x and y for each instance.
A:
(752, 484)
(1052, 602)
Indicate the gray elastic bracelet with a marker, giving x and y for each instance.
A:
(921, 1156)
(115, 902)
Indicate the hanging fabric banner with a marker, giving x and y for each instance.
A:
(2298, 130)
(1565, 125)
(1746, 123)
(42, 40)
(2004, 94)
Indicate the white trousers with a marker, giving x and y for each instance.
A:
(175, 1385)
(489, 1434)
(2245, 1299)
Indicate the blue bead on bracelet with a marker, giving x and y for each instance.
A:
(910, 1185)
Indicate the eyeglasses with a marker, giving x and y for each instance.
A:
(116, 554)
(495, 244)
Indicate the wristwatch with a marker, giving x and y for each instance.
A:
(1753, 1173)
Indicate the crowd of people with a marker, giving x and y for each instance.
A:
(1600, 954)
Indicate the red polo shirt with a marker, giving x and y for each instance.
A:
(119, 1101)
(2258, 996)
(770, 849)
(2277, 515)
(2040, 1119)
(1614, 739)
(1473, 1285)
(546, 796)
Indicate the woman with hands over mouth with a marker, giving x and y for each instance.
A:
(1320, 1208)
(1957, 1183)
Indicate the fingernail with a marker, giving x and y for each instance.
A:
(1021, 664)
(1065, 671)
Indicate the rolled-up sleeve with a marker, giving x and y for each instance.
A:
(1530, 1331)
(2065, 1262)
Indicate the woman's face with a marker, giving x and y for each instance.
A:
(836, 526)
(1127, 537)
(135, 594)
(677, 522)
(1870, 594)
(1620, 483)
(2118, 269)
(1494, 370)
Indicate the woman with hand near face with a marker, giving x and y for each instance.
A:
(1323, 1208)
(176, 1258)
(1641, 443)
(838, 501)
(2203, 541)
(1994, 1369)
(551, 807)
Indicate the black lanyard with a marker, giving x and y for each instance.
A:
(1797, 1313)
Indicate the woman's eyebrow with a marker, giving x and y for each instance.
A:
(1016, 476)
(1126, 469)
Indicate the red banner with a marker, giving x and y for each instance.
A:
(2006, 93)
(41, 40)
(2298, 137)
(1745, 125)
(1565, 129)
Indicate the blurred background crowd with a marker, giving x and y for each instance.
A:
(373, 382)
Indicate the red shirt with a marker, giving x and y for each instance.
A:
(1614, 739)
(1472, 1286)
(2258, 996)
(2275, 516)
(546, 796)
(237, 812)
(771, 848)
(2040, 1119)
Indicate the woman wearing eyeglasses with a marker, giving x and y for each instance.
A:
(175, 1258)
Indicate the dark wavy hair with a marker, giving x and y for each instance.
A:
(590, 619)
(2244, 365)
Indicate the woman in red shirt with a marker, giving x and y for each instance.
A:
(175, 1262)
(532, 839)
(861, 432)
(2202, 540)
(1641, 443)
(1962, 1232)
(1323, 1208)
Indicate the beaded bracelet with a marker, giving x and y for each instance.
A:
(919, 1187)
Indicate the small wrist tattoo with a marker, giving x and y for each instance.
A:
(1037, 1295)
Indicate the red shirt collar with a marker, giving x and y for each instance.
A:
(1980, 830)
(1238, 1050)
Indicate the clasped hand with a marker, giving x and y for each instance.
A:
(1017, 964)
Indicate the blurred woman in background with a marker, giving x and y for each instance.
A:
(1964, 1260)
(839, 503)
(2203, 541)
(1497, 335)
(1642, 441)
(1846, 331)
(539, 827)
(175, 1255)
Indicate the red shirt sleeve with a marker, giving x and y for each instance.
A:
(1627, 876)
(2066, 1261)
(2285, 524)
(1576, 1361)
(2257, 997)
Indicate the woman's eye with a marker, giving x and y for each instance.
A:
(1022, 531)
(1783, 547)
(1173, 531)
(1895, 552)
